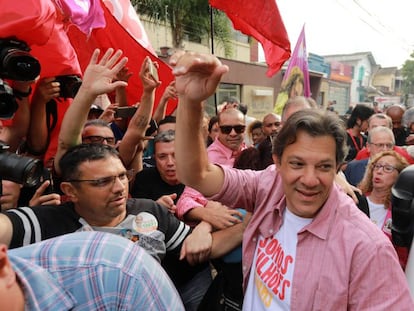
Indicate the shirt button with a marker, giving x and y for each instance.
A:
(254, 240)
(244, 268)
(271, 231)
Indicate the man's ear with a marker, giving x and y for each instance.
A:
(7, 274)
(69, 190)
(276, 160)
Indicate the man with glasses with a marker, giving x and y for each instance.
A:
(379, 139)
(96, 183)
(381, 119)
(98, 131)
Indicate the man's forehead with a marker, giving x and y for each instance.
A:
(382, 136)
(161, 146)
(93, 130)
(271, 118)
(323, 146)
(231, 119)
(115, 164)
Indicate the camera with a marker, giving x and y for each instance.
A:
(26, 171)
(69, 85)
(8, 103)
(125, 112)
(16, 63)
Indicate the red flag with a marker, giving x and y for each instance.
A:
(116, 36)
(296, 79)
(261, 20)
(29, 20)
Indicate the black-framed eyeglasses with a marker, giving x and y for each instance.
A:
(106, 181)
(226, 129)
(385, 167)
(382, 146)
(99, 139)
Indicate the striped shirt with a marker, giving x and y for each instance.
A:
(92, 271)
(148, 224)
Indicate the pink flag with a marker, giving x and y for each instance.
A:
(261, 20)
(86, 14)
(296, 79)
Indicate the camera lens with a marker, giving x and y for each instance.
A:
(26, 171)
(20, 65)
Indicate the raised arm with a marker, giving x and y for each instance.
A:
(197, 77)
(161, 109)
(97, 79)
(38, 136)
(131, 146)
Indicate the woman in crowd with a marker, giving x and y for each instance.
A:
(380, 175)
(357, 125)
(255, 132)
(213, 130)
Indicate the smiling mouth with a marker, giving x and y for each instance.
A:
(307, 194)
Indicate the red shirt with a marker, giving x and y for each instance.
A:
(364, 154)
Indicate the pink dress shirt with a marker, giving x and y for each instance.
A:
(343, 261)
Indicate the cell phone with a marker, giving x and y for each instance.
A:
(125, 112)
(153, 71)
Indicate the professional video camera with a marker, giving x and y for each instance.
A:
(26, 171)
(402, 230)
(403, 208)
(16, 63)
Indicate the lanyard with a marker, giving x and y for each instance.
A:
(357, 147)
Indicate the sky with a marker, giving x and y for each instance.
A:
(383, 27)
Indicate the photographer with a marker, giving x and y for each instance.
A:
(18, 72)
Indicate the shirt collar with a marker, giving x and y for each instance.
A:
(41, 290)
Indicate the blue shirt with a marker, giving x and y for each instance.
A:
(92, 271)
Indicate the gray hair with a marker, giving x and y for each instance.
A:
(380, 129)
(165, 137)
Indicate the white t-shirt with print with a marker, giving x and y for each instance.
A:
(377, 213)
(270, 282)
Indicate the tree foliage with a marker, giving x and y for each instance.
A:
(407, 72)
(188, 18)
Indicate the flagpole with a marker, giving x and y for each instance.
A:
(212, 49)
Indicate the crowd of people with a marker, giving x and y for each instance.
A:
(226, 212)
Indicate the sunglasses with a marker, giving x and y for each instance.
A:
(226, 129)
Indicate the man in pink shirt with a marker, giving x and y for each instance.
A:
(307, 246)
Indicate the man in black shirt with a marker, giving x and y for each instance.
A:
(160, 183)
(96, 184)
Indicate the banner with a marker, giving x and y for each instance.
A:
(296, 79)
(261, 20)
